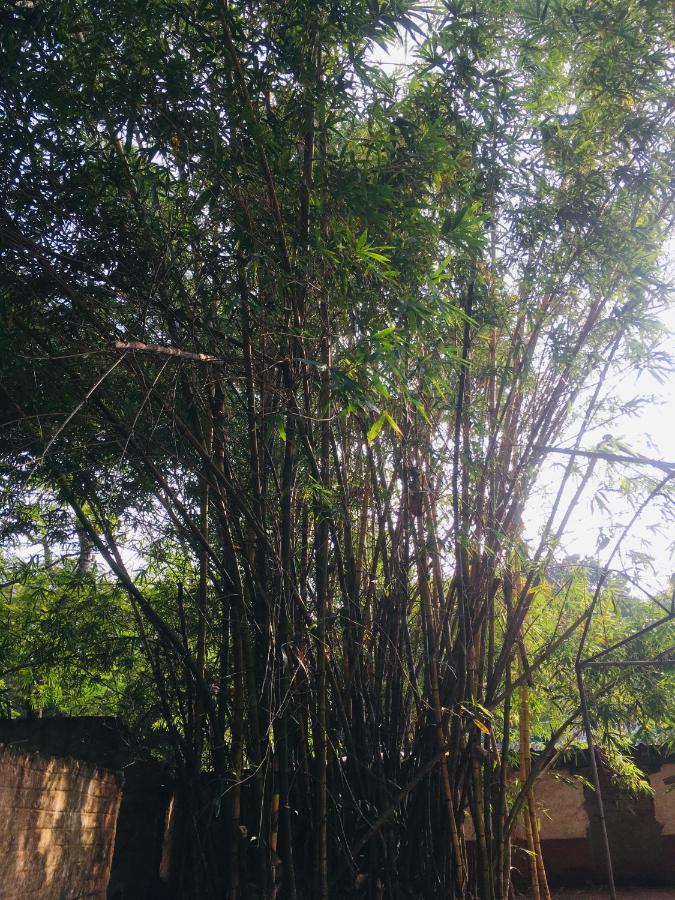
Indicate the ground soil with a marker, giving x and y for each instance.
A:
(622, 894)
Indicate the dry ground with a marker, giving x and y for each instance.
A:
(622, 894)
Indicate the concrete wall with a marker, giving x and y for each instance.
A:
(104, 741)
(663, 783)
(57, 827)
(641, 829)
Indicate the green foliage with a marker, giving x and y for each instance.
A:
(69, 644)
(629, 706)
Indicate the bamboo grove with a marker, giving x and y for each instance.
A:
(292, 330)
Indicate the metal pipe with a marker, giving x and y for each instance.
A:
(596, 780)
(625, 663)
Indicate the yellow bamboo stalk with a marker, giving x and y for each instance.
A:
(274, 829)
(530, 818)
(540, 889)
(541, 868)
(525, 765)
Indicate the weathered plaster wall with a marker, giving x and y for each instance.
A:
(663, 783)
(57, 827)
(641, 830)
(104, 741)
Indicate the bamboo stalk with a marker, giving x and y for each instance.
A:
(525, 765)
(276, 803)
(437, 708)
(322, 536)
(537, 869)
(237, 753)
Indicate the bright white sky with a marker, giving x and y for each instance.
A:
(651, 433)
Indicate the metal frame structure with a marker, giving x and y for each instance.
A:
(597, 661)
